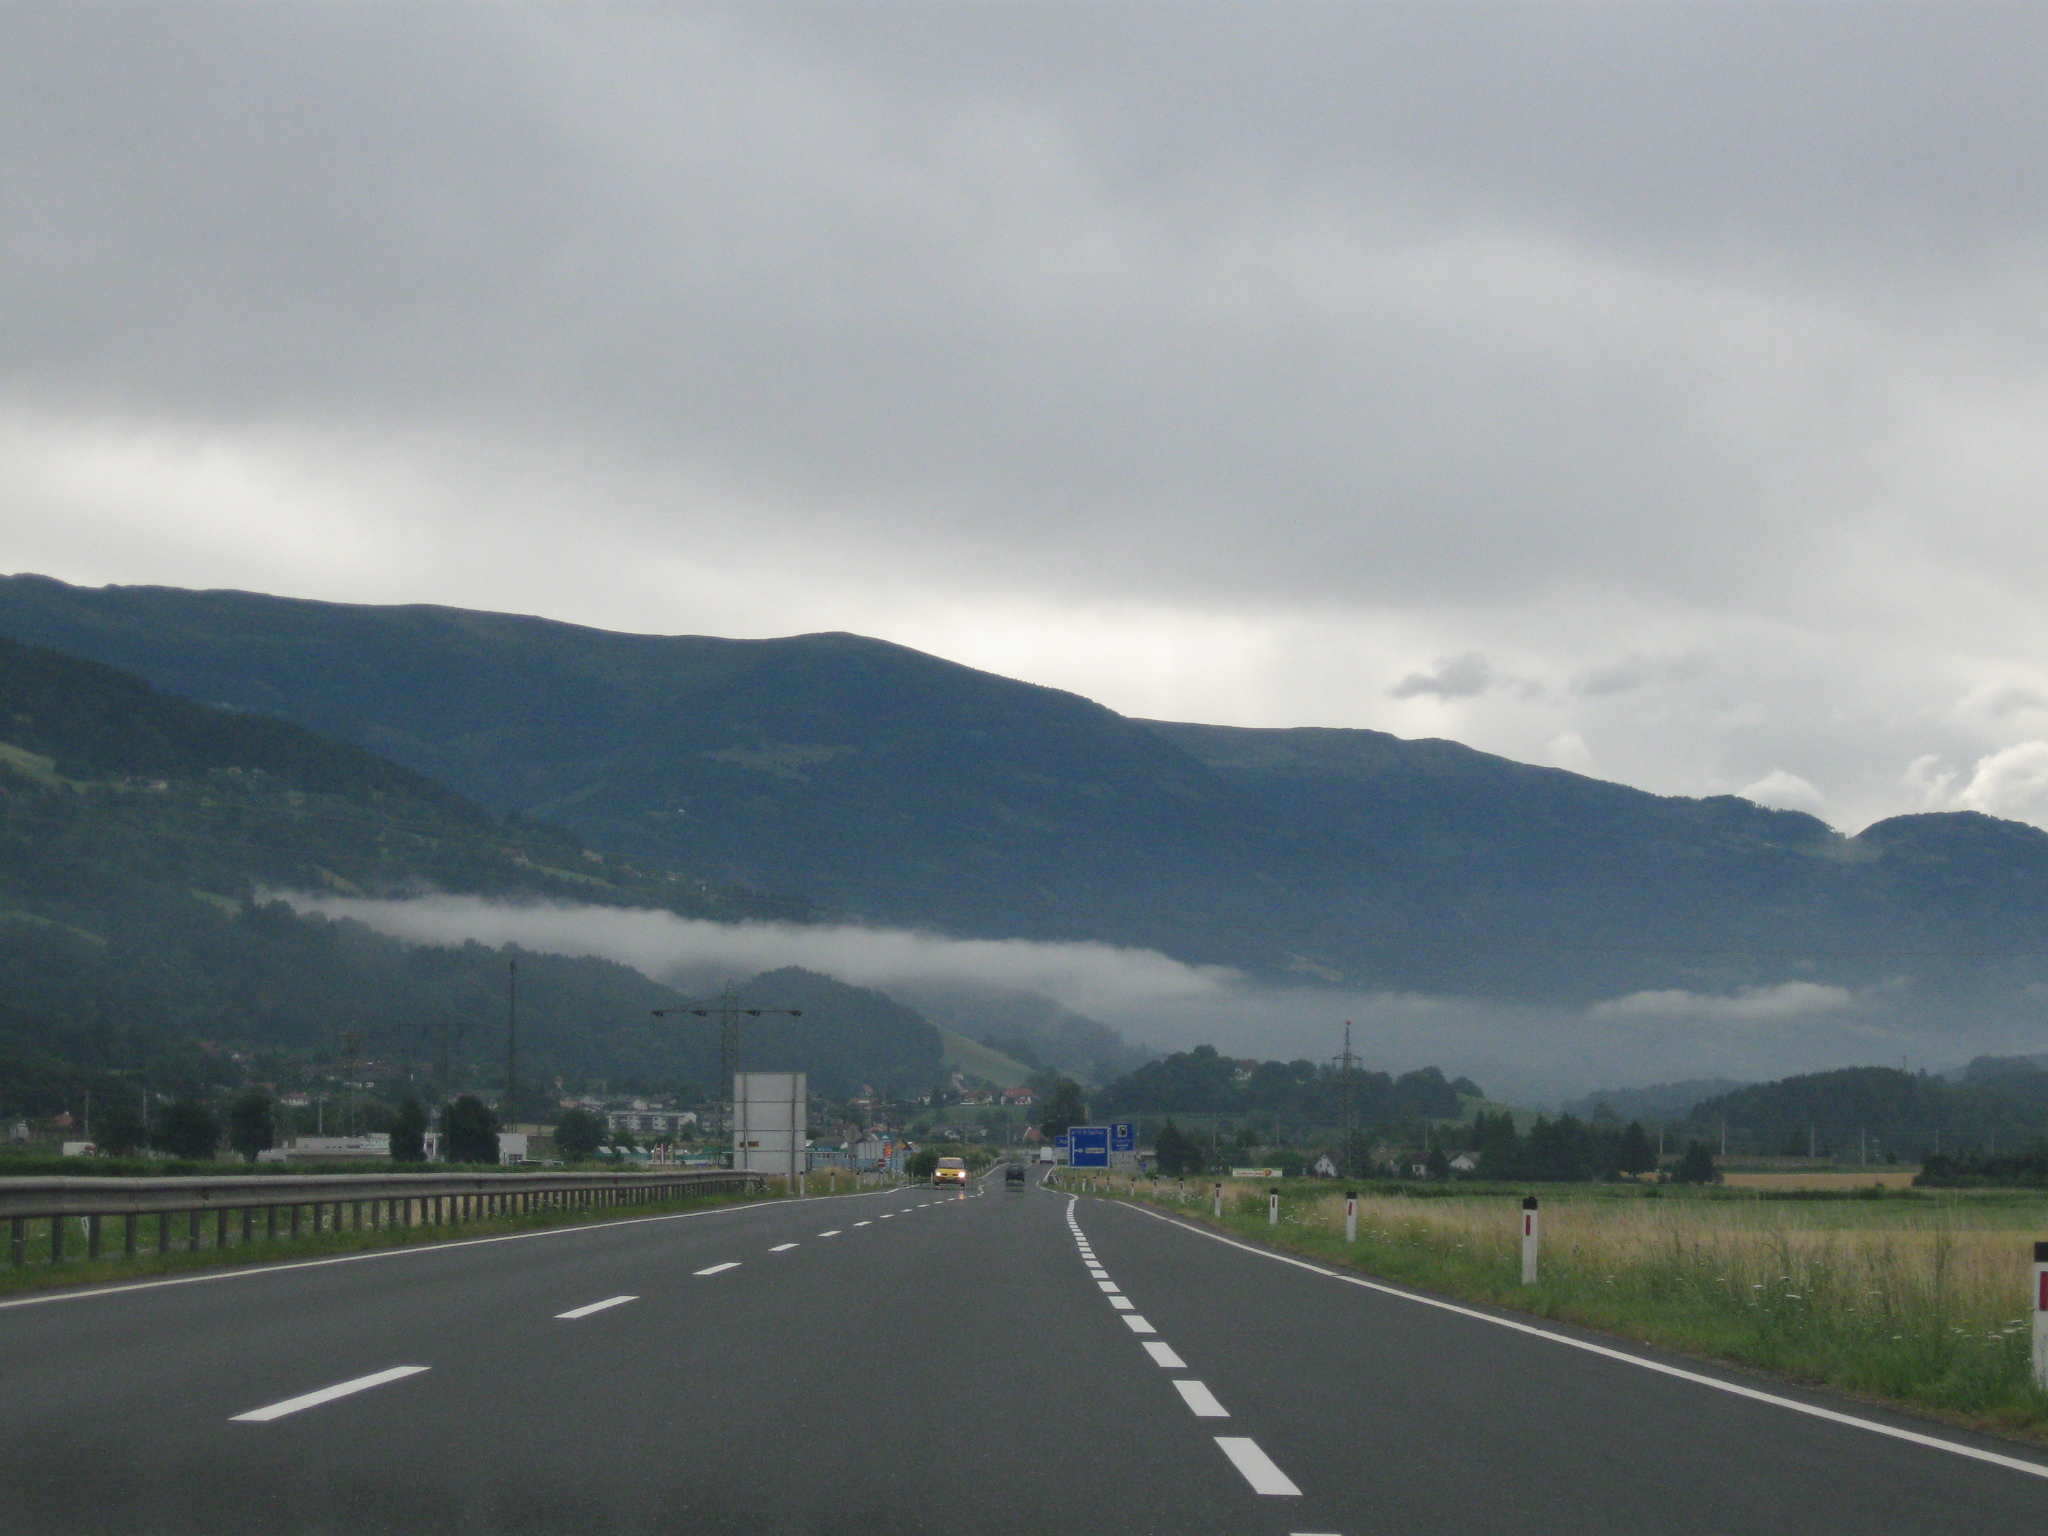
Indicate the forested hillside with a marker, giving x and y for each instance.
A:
(139, 834)
(902, 788)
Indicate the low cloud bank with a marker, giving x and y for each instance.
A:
(1529, 1052)
(1759, 1005)
(1089, 978)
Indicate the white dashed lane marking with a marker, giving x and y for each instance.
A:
(595, 1306)
(718, 1269)
(1109, 1287)
(1257, 1467)
(325, 1395)
(1200, 1400)
(782, 1247)
(833, 1233)
(863, 1223)
(1164, 1355)
(1122, 1303)
(1137, 1324)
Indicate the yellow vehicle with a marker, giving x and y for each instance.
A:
(951, 1170)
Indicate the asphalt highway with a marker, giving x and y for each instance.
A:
(915, 1362)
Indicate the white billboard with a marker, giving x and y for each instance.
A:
(769, 1111)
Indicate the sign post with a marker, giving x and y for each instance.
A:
(2041, 1315)
(1529, 1235)
(1088, 1146)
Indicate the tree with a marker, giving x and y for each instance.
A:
(250, 1129)
(922, 1165)
(1698, 1165)
(1439, 1166)
(579, 1133)
(1178, 1152)
(409, 1133)
(1063, 1109)
(120, 1130)
(1637, 1155)
(187, 1129)
(469, 1131)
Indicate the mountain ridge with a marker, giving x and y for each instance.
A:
(910, 790)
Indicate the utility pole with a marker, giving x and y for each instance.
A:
(727, 1010)
(512, 1042)
(1347, 1094)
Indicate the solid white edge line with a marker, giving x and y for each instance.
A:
(1257, 1467)
(1200, 1400)
(595, 1306)
(1163, 1354)
(1735, 1389)
(325, 1395)
(719, 1269)
(249, 1271)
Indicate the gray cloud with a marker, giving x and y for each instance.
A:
(1455, 677)
(1229, 362)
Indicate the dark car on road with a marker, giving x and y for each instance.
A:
(1013, 1175)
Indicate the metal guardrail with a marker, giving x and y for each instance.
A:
(325, 1202)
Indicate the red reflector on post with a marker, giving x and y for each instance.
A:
(2041, 1300)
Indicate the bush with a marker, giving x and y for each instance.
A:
(469, 1131)
(579, 1133)
(922, 1165)
(409, 1133)
(1697, 1167)
(250, 1127)
(187, 1129)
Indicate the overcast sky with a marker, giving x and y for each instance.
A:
(1660, 391)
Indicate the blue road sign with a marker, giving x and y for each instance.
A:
(1060, 1140)
(1088, 1146)
(1123, 1137)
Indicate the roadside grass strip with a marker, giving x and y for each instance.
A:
(596, 1306)
(1257, 1467)
(325, 1395)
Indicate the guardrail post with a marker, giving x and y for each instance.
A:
(92, 1236)
(1530, 1234)
(128, 1237)
(163, 1231)
(2041, 1315)
(248, 1225)
(56, 1239)
(270, 1223)
(193, 1219)
(220, 1227)
(17, 1241)
(1351, 1216)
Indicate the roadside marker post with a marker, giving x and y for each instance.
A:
(1351, 1216)
(2041, 1315)
(1273, 1209)
(1529, 1236)
(1219, 1202)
